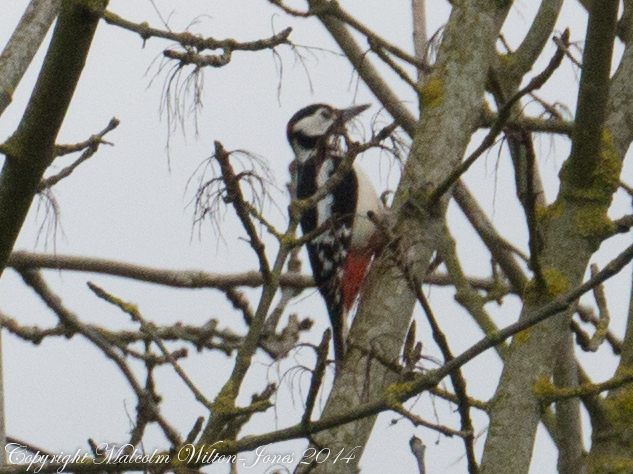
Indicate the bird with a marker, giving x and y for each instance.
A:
(341, 255)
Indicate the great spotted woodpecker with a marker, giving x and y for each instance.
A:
(340, 256)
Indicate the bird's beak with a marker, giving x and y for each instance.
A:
(348, 114)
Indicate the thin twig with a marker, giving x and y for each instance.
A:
(287, 294)
(290, 11)
(187, 39)
(317, 375)
(187, 278)
(466, 295)
(627, 188)
(92, 142)
(623, 224)
(335, 10)
(150, 330)
(199, 336)
(236, 198)
(240, 302)
(72, 324)
(451, 397)
(459, 383)
(549, 393)
(533, 124)
(195, 430)
(565, 48)
(603, 315)
(30, 447)
(418, 449)
(417, 421)
(535, 241)
(557, 305)
(457, 378)
(380, 52)
(90, 147)
(503, 116)
(588, 315)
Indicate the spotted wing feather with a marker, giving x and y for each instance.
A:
(328, 252)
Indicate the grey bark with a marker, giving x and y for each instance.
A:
(454, 95)
(29, 151)
(567, 246)
(14, 61)
(23, 44)
(611, 446)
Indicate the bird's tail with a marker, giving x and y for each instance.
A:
(338, 315)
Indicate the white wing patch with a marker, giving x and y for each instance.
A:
(367, 201)
(324, 206)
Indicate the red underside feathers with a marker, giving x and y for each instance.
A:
(354, 271)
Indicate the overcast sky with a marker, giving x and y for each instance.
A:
(131, 202)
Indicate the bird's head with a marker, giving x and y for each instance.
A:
(311, 126)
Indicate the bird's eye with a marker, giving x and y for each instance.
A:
(326, 113)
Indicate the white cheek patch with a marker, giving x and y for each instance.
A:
(313, 126)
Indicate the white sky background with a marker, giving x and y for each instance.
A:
(130, 203)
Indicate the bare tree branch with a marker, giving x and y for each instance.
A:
(418, 448)
(30, 149)
(72, 325)
(189, 40)
(90, 147)
(504, 114)
(24, 43)
(150, 330)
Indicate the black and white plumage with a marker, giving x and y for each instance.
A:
(340, 256)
